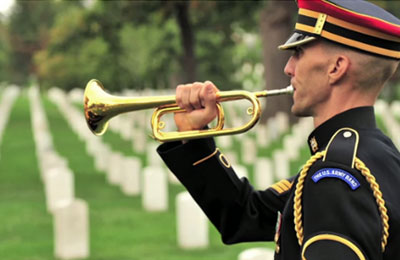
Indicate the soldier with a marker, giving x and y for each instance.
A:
(345, 202)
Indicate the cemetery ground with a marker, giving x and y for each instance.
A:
(119, 227)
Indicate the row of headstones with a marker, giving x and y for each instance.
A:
(70, 214)
(150, 182)
(390, 114)
(264, 167)
(8, 97)
(119, 169)
(59, 198)
(193, 233)
(192, 225)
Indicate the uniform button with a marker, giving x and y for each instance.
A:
(347, 134)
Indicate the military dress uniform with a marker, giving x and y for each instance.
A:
(345, 201)
(342, 214)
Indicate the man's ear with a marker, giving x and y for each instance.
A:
(338, 68)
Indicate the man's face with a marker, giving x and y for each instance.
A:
(308, 68)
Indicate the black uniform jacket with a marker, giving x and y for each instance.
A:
(343, 213)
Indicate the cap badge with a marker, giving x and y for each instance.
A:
(319, 25)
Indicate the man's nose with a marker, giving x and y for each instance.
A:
(289, 68)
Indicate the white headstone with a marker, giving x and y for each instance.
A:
(153, 159)
(126, 127)
(395, 108)
(225, 141)
(257, 254)
(272, 129)
(231, 156)
(241, 171)
(115, 168)
(262, 135)
(59, 188)
(48, 160)
(115, 124)
(263, 173)
(155, 189)
(282, 121)
(139, 140)
(291, 145)
(76, 95)
(43, 140)
(93, 145)
(192, 224)
(71, 231)
(102, 157)
(172, 178)
(281, 165)
(249, 150)
(130, 177)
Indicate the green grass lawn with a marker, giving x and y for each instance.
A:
(26, 229)
(119, 227)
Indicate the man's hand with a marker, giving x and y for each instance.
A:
(199, 100)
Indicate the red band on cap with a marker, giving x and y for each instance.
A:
(331, 9)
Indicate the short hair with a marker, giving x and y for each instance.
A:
(369, 71)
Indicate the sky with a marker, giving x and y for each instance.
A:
(5, 6)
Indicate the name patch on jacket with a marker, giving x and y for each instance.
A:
(336, 173)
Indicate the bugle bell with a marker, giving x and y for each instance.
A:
(100, 107)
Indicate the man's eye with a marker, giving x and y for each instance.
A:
(297, 51)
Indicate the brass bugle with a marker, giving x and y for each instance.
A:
(100, 107)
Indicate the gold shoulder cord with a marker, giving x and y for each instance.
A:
(298, 223)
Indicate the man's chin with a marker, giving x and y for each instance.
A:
(300, 112)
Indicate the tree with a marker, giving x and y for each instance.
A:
(4, 53)
(188, 41)
(276, 26)
(73, 53)
(141, 40)
(28, 28)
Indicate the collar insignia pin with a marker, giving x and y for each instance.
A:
(314, 144)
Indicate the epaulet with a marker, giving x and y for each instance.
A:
(342, 148)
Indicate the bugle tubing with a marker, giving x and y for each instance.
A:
(100, 107)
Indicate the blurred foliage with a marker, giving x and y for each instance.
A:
(392, 6)
(27, 31)
(392, 91)
(135, 44)
(126, 44)
(4, 52)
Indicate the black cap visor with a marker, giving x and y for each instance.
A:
(295, 40)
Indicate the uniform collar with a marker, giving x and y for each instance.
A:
(361, 117)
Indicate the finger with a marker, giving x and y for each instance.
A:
(215, 89)
(209, 97)
(208, 88)
(178, 95)
(195, 100)
(185, 97)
